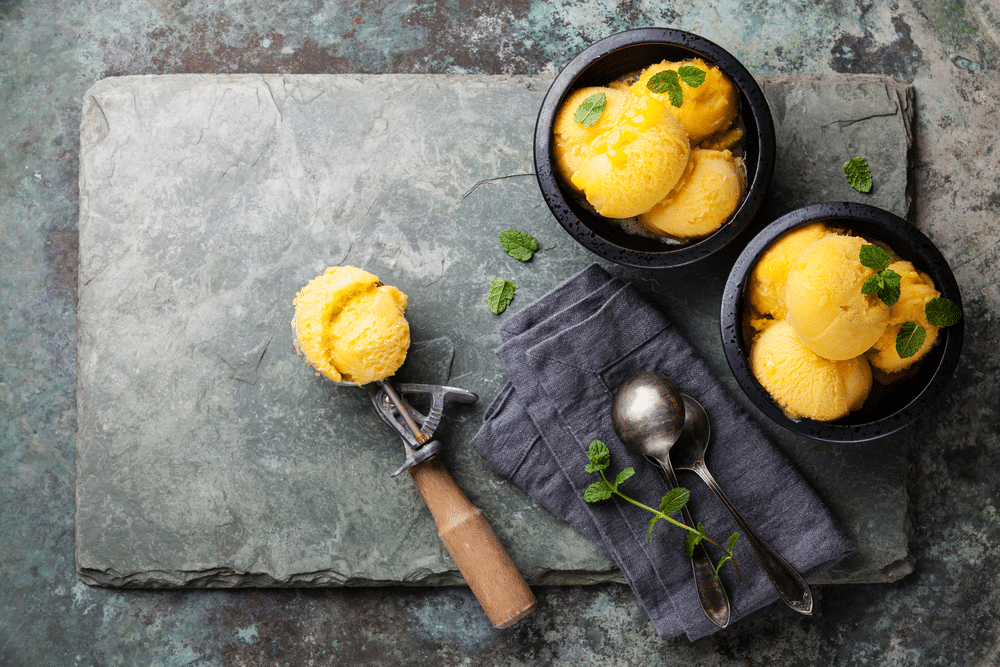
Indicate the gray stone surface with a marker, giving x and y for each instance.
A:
(208, 455)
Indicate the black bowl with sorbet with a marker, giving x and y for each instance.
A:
(620, 55)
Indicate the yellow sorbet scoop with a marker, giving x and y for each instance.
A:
(350, 326)
(626, 161)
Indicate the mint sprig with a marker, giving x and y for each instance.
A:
(599, 457)
(858, 174)
(669, 81)
(884, 282)
(590, 110)
(501, 294)
(517, 244)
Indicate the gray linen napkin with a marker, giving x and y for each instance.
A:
(565, 355)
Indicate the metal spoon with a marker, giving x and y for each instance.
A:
(647, 413)
(688, 453)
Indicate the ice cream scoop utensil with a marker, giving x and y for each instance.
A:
(647, 413)
(688, 453)
(465, 532)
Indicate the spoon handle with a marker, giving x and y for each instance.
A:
(711, 593)
(791, 586)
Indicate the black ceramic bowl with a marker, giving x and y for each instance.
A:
(901, 402)
(617, 56)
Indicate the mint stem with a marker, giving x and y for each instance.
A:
(727, 553)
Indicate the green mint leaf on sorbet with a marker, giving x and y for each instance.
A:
(942, 312)
(884, 282)
(858, 174)
(667, 81)
(910, 339)
(501, 294)
(691, 75)
(874, 257)
(590, 110)
(662, 81)
(890, 290)
(518, 244)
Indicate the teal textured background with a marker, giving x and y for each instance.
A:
(51, 53)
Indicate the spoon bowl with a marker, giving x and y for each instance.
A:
(648, 409)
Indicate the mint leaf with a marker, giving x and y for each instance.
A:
(597, 492)
(942, 312)
(691, 540)
(885, 282)
(667, 81)
(599, 455)
(732, 542)
(858, 174)
(661, 82)
(590, 110)
(649, 531)
(874, 257)
(871, 284)
(890, 291)
(518, 244)
(623, 475)
(691, 75)
(501, 294)
(674, 500)
(910, 339)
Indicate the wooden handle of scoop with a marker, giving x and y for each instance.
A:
(482, 560)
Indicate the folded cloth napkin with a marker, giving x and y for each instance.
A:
(565, 355)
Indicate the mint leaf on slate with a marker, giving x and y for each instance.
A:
(518, 244)
(501, 294)
(910, 339)
(590, 110)
(858, 174)
(942, 312)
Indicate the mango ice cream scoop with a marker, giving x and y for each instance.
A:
(826, 307)
(803, 383)
(626, 161)
(350, 326)
(706, 109)
(706, 195)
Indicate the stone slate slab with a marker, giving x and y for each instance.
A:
(208, 455)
